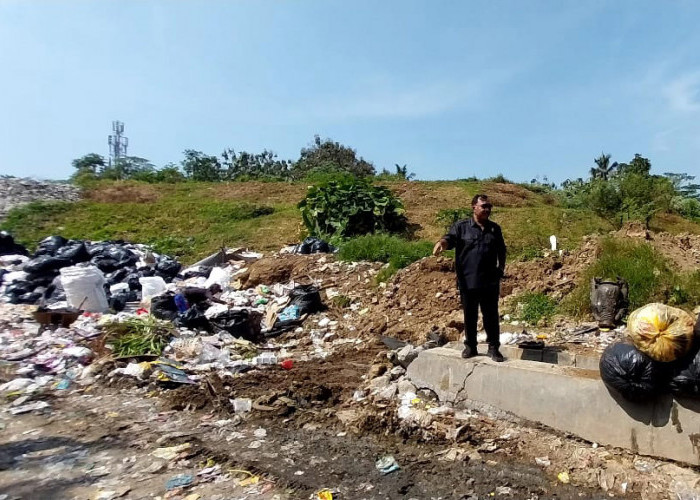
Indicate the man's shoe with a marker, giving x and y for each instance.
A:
(469, 352)
(495, 354)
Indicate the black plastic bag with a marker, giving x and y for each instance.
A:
(19, 288)
(54, 292)
(75, 251)
(237, 323)
(104, 263)
(686, 379)
(117, 276)
(27, 298)
(146, 272)
(307, 298)
(3, 272)
(123, 256)
(97, 248)
(117, 302)
(313, 245)
(168, 268)
(9, 247)
(42, 279)
(202, 271)
(632, 373)
(45, 264)
(133, 281)
(50, 245)
(163, 307)
(194, 319)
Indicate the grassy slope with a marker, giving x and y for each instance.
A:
(192, 220)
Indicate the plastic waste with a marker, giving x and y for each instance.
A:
(686, 378)
(164, 307)
(307, 297)
(312, 245)
(181, 303)
(179, 481)
(75, 251)
(84, 287)
(219, 276)
(632, 373)
(50, 245)
(194, 319)
(237, 323)
(9, 247)
(289, 313)
(662, 332)
(387, 464)
(151, 286)
(45, 264)
(242, 405)
(609, 301)
(168, 268)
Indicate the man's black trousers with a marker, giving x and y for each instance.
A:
(487, 299)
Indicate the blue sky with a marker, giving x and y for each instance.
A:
(452, 89)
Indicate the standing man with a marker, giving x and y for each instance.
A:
(480, 261)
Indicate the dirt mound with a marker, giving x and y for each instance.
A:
(308, 385)
(125, 193)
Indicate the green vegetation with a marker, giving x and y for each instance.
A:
(187, 224)
(648, 273)
(447, 217)
(138, 336)
(395, 251)
(351, 206)
(536, 307)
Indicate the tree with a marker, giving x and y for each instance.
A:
(129, 167)
(91, 163)
(683, 184)
(603, 169)
(402, 172)
(326, 155)
(201, 167)
(638, 165)
(244, 166)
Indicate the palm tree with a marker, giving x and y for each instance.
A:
(603, 168)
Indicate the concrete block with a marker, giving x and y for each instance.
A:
(514, 352)
(588, 361)
(564, 398)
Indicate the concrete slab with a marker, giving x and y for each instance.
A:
(564, 398)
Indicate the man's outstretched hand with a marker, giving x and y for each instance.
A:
(439, 247)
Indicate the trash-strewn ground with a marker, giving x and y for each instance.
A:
(78, 423)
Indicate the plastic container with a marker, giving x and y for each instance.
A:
(84, 287)
(151, 286)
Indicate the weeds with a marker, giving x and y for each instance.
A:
(138, 336)
(647, 272)
(447, 217)
(397, 252)
(536, 307)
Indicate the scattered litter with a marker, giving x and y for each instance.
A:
(171, 452)
(564, 477)
(543, 461)
(38, 405)
(387, 464)
(179, 481)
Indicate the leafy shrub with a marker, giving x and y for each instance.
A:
(535, 307)
(397, 252)
(138, 336)
(686, 207)
(649, 276)
(447, 217)
(349, 207)
(530, 253)
(500, 178)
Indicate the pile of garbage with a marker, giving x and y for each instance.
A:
(664, 355)
(17, 192)
(91, 276)
(115, 309)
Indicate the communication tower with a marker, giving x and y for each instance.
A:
(117, 143)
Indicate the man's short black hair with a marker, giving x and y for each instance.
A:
(478, 197)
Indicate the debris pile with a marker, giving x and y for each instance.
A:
(17, 192)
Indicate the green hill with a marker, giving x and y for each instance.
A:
(192, 219)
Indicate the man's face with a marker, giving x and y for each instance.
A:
(482, 210)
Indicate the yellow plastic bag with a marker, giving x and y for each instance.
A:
(661, 332)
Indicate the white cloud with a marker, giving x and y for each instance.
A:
(682, 93)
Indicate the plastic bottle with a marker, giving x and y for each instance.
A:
(181, 303)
